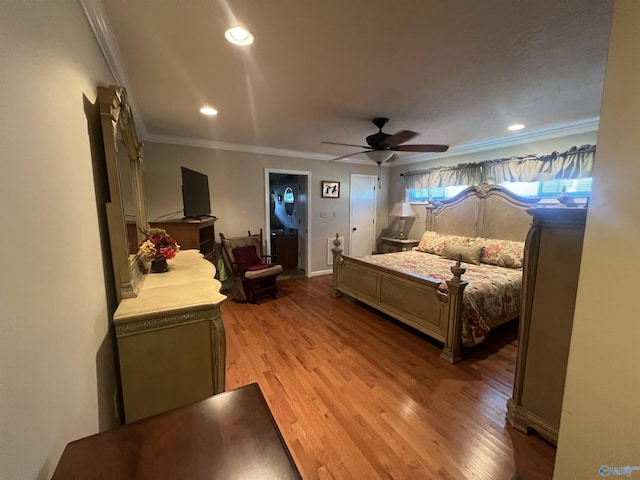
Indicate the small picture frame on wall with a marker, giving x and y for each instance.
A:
(330, 189)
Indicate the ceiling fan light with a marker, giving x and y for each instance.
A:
(239, 36)
(379, 156)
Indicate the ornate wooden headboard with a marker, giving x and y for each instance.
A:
(485, 210)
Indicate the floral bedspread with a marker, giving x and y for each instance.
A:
(492, 291)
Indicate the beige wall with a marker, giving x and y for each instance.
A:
(237, 186)
(600, 422)
(56, 362)
(237, 193)
(559, 144)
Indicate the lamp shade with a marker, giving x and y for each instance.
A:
(379, 156)
(402, 209)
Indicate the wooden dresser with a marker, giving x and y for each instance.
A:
(553, 250)
(171, 339)
(192, 234)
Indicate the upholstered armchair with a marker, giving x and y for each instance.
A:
(253, 274)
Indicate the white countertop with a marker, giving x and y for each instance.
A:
(188, 285)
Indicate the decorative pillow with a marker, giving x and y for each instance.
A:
(469, 254)
(503, 253)
(427, 242)
(246, 255)
(432, 242)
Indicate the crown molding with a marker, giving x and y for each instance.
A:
(564, 130)
(574, 128)
(94, 10)
(235, 147)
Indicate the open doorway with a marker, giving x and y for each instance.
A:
(287, 219)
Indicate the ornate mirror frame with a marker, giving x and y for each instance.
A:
(116, 118)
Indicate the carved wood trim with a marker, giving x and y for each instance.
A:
(531, 250)
(472, 222)
(219, 352)
(337, 251)
(116, 116)
(145, 325)
(522, 420)
(456, 287)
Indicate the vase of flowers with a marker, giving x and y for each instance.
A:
(159, 246)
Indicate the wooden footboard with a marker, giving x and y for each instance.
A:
(411, 299)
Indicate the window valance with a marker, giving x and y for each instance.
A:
(577, 162)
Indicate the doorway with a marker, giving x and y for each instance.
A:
(362, 212)
(287, 218)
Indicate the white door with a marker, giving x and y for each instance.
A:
(362, 237)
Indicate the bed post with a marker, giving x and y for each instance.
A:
(456, 285)
(428, 219)
(336, 250)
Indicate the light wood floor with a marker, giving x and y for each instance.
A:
(357, 396)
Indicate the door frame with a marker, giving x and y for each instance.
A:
(375, 208)
(267, 212)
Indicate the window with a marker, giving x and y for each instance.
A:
(435, 193)
(580, 188)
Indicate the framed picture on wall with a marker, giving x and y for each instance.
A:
(330, 189)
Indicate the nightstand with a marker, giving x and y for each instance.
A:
(389, 244)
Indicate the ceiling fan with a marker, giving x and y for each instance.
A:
(381, 146)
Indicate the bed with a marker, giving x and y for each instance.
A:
(464, 278)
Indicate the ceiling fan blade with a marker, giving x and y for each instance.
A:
(421, 148)
(346, 144)
(348, 155)
(398, 138)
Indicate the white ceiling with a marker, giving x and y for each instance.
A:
(456, 71)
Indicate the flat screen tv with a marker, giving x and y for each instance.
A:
(195, 194)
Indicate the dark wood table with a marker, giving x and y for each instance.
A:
(229, 436)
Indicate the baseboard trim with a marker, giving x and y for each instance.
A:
(319, 273)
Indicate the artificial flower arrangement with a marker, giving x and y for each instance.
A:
(159, 245)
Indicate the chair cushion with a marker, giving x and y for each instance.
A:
(246, 255)
(259, 266)
(264, 272)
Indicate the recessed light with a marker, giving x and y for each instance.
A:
(239, 36)
(516, 126)
(210, 111)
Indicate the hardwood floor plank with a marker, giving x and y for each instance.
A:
(359, 396)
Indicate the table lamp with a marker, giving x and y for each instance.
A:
(402, 210)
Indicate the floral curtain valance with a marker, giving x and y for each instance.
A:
(576, 162)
